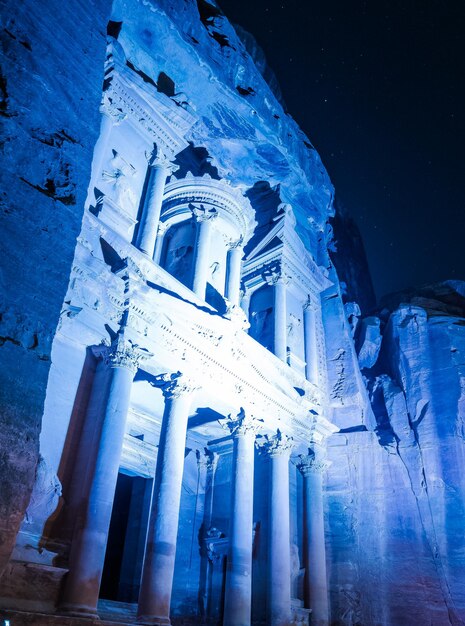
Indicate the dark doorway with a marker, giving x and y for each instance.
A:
(126, 539)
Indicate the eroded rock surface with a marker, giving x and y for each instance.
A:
(395, 496)
(50, 82)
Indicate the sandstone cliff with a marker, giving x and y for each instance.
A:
(50, 88)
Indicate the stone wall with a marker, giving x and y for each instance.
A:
(50, 89)
(395, 495)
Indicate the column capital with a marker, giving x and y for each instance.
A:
(175, 385)
(310, 305)
(201, 213)
(310, 464)
(123, 353)
(207, 459)
(235, 244)
(244, 292)
(158, 159)
(276, 276)
(162, 228)
(277, 445)
(109, 108)
(241, 424)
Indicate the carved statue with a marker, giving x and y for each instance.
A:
(119, 178)
(45, 494)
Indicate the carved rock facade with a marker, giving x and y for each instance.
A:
(207, 439)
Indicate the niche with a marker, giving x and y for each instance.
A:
(178, 252)
(261, 316)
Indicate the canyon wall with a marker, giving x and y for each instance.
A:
(51, 78)
(395, 493)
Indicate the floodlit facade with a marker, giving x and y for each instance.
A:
(208, 451)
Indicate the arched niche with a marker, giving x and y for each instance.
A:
(178, 251)
(197, 200)
(261, 316)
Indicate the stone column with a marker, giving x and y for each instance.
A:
(312, 467)
(158, 571)
(162, 228)
(279, 549)
(204, 218)
(159, 169)
(88, 547)
(279, 283)
(238, 590)
(233, 282)
(310, 341)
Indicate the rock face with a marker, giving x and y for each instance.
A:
(396, 495)
(129, 240)
(50, 85)
(348, 255)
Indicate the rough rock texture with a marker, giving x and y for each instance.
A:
(50, 85)
(396, 498)
(395, 495)
(348, 255)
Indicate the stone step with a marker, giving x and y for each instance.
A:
(117, 611)
(20, 618)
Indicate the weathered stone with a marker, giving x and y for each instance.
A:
(51, 80)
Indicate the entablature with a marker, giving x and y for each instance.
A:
(156, 116)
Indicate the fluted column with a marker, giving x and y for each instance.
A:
(278, 448)
(91, 532)
(312, 467)
(310, 341)
(233, 282)
(238, 590)
(204, 218)
(158, 571)
(159, 169)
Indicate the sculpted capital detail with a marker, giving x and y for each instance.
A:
(275, 275)
(310, 305)
(202, 213)
(235, 244)
(277, 444)
(309, 464)
(122, 353)
(175, 385)
(157, 158)
(241, 424)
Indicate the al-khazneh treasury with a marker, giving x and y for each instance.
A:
(208, 451)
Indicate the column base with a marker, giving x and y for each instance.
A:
(153, 620)
(76, 610)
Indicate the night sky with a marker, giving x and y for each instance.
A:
(379, 89)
